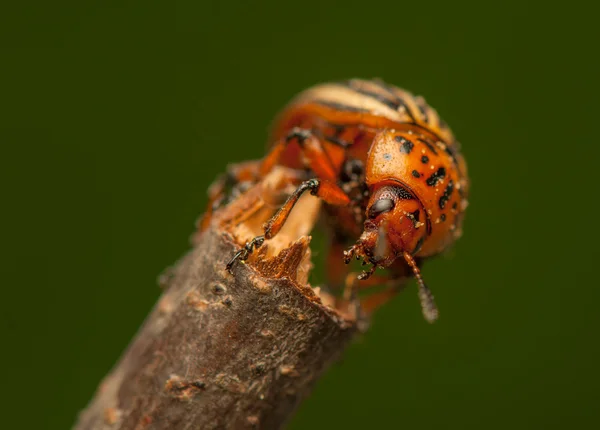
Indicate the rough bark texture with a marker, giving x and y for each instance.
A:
(221, 351)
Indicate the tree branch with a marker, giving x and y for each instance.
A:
(221, 351)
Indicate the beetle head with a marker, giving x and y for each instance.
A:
(393, 229)
(392, 226)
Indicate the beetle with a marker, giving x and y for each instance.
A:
(388, 169)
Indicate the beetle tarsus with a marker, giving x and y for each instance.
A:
(243, 254)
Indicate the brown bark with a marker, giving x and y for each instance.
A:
(222, 351)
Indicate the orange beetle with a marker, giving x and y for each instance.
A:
(386, 165)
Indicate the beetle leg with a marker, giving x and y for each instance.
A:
(312, 149)
(327, 191)
(235, 175)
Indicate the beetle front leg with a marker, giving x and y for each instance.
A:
(325, 190)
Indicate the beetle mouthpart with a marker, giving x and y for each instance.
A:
(382, 246)
(357, 251)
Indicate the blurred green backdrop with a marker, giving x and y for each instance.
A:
(116, 115)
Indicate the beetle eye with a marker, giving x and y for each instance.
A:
(381, 206)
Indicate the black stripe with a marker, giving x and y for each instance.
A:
(399, 100)
(450, 151)
(446, 196)
(428, 144)
(391, 103)
(341, 106)
(423, 112)
(392, 91)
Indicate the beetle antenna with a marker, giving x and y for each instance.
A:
(428, 306)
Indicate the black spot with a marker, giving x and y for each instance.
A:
(419, 245)
(387, 156)
(406, 146)
(443, 217)
(424, 159)
(436, 177)
(454, 205)
(416, 174)
(446, 196)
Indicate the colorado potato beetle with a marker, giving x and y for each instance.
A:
(388, 169)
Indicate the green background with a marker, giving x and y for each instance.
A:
(116, 116)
